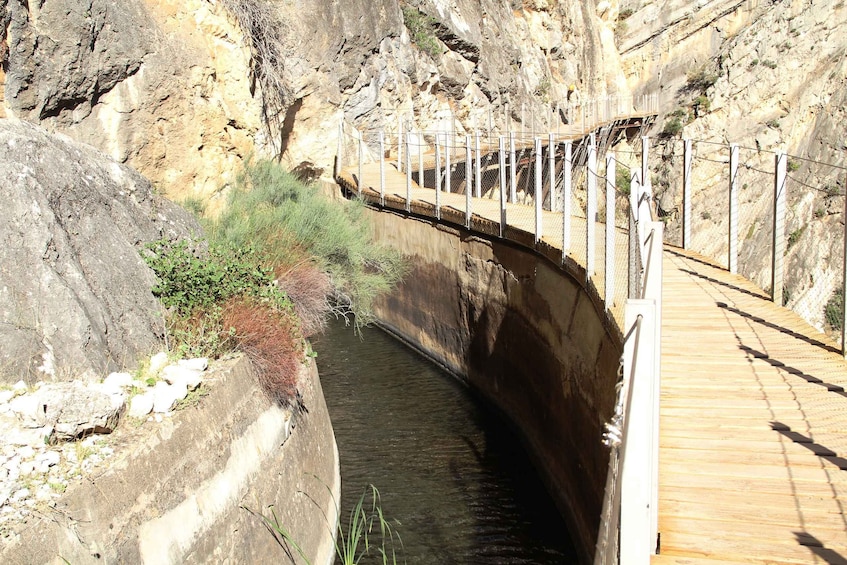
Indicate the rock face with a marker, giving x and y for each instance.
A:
(75, 296)
(162, 85)
(774, 82)
(167, 86)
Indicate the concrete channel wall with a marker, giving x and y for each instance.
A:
(178, 493)
(527, 335)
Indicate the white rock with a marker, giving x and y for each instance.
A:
(48, 459)
(27, 467)
(118, 380)
(29, 410)
(19, 386)
(182, 376)
(26, 452)
(174, 374)
(166, 396)
(141, 405)
(20, 495)
(17, 435)
(6, 396)
(157, 363)
(198, 363)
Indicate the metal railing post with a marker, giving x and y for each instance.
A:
(400, 144)
(686, 194)
(381, 168)
(551, 170)
(609, 274)
(591, 212)
(512, 169)
(478, 168)
(645, 167)
(778, 248)
(844, 281)
(635, 544)
(502, 162)
(338, 149)
(438, 175)
(732, 260)
(421, 182)
(634, 248)
(566, 199)
(408, 172)
(468, 180)
(448, 145)
(361, 159)
(539, 189)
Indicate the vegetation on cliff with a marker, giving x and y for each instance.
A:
(278, 261)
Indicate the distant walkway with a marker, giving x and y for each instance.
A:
(753, 440)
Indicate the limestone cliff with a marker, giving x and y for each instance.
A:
(170, 88)
(769, 76)
(161, 85)
(75, 296)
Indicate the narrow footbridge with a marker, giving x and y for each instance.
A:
(729, 443)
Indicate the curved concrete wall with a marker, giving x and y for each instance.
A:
(528, 336)
(176, 496)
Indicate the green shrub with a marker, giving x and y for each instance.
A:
(833, 311)
(769, 64)
(794, 237)
(701, 105)
(672, 127)
(287, 222)
(194, 279)
(422, 28)
(700, 79)
(792, 165)
(195, 284)
(623, 180)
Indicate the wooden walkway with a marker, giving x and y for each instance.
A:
(753, 437)
(753, 434)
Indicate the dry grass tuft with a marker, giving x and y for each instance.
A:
(309, 288)
(272, 341)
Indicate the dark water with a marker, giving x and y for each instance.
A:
(448, 469)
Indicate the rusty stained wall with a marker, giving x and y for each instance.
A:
(526, 335)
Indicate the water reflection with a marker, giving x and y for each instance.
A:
(448, 469)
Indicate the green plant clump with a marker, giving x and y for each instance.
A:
(672, 127)
(422, 29)
(701, 105)
(288, 222)
(367, 533)
(794, 237)
(834, 309)
(700, 79)
(190, 280)
(623, 181)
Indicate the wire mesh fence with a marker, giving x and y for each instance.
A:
(710, 200)
(754, 184)
(814, 242)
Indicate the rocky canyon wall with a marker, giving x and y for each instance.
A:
(768, 76)
(169, 87)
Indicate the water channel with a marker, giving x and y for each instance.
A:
(447, 467)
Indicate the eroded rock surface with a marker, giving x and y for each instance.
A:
(75, 296)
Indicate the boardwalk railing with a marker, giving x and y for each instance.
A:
(554, 192)
(777, 219)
